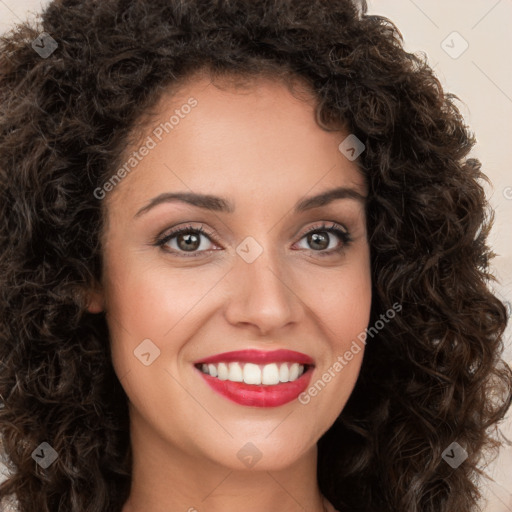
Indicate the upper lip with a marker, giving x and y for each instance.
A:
(259, 357)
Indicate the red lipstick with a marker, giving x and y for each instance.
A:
(259, 395)
(259, 357)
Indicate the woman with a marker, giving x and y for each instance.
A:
(243, 265)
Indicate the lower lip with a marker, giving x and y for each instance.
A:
(259, 395)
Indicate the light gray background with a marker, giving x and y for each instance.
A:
(481, 77)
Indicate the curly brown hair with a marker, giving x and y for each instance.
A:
(434, 375)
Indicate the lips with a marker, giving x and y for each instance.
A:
(259, 395)
(259, 357)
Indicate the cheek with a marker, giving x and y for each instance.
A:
(152, 300)
(342, 302)
(156, 303)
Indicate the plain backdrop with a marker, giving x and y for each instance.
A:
(467, 42)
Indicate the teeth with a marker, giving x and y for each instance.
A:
(252, 374)
(284, 373)
(235, 373)
(268, 374)
(294, 371)
(222, 371)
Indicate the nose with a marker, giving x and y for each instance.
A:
(262, 296)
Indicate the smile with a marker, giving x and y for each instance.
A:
(257, 378)
(268, 374)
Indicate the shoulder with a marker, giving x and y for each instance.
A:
(9, 503)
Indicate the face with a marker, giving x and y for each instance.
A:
(281, 281)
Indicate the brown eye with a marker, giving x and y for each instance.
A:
(318, 240)
(188, 241)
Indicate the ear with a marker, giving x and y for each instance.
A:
(95, 300)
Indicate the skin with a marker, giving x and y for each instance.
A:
(260, 148)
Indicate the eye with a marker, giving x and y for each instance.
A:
(186, 240)
(319, 239)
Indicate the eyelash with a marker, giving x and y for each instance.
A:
(344, 236)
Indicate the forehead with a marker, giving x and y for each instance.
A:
(257, 134)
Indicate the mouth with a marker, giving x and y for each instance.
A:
(257, 378)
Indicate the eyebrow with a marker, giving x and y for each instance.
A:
(220, 204)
